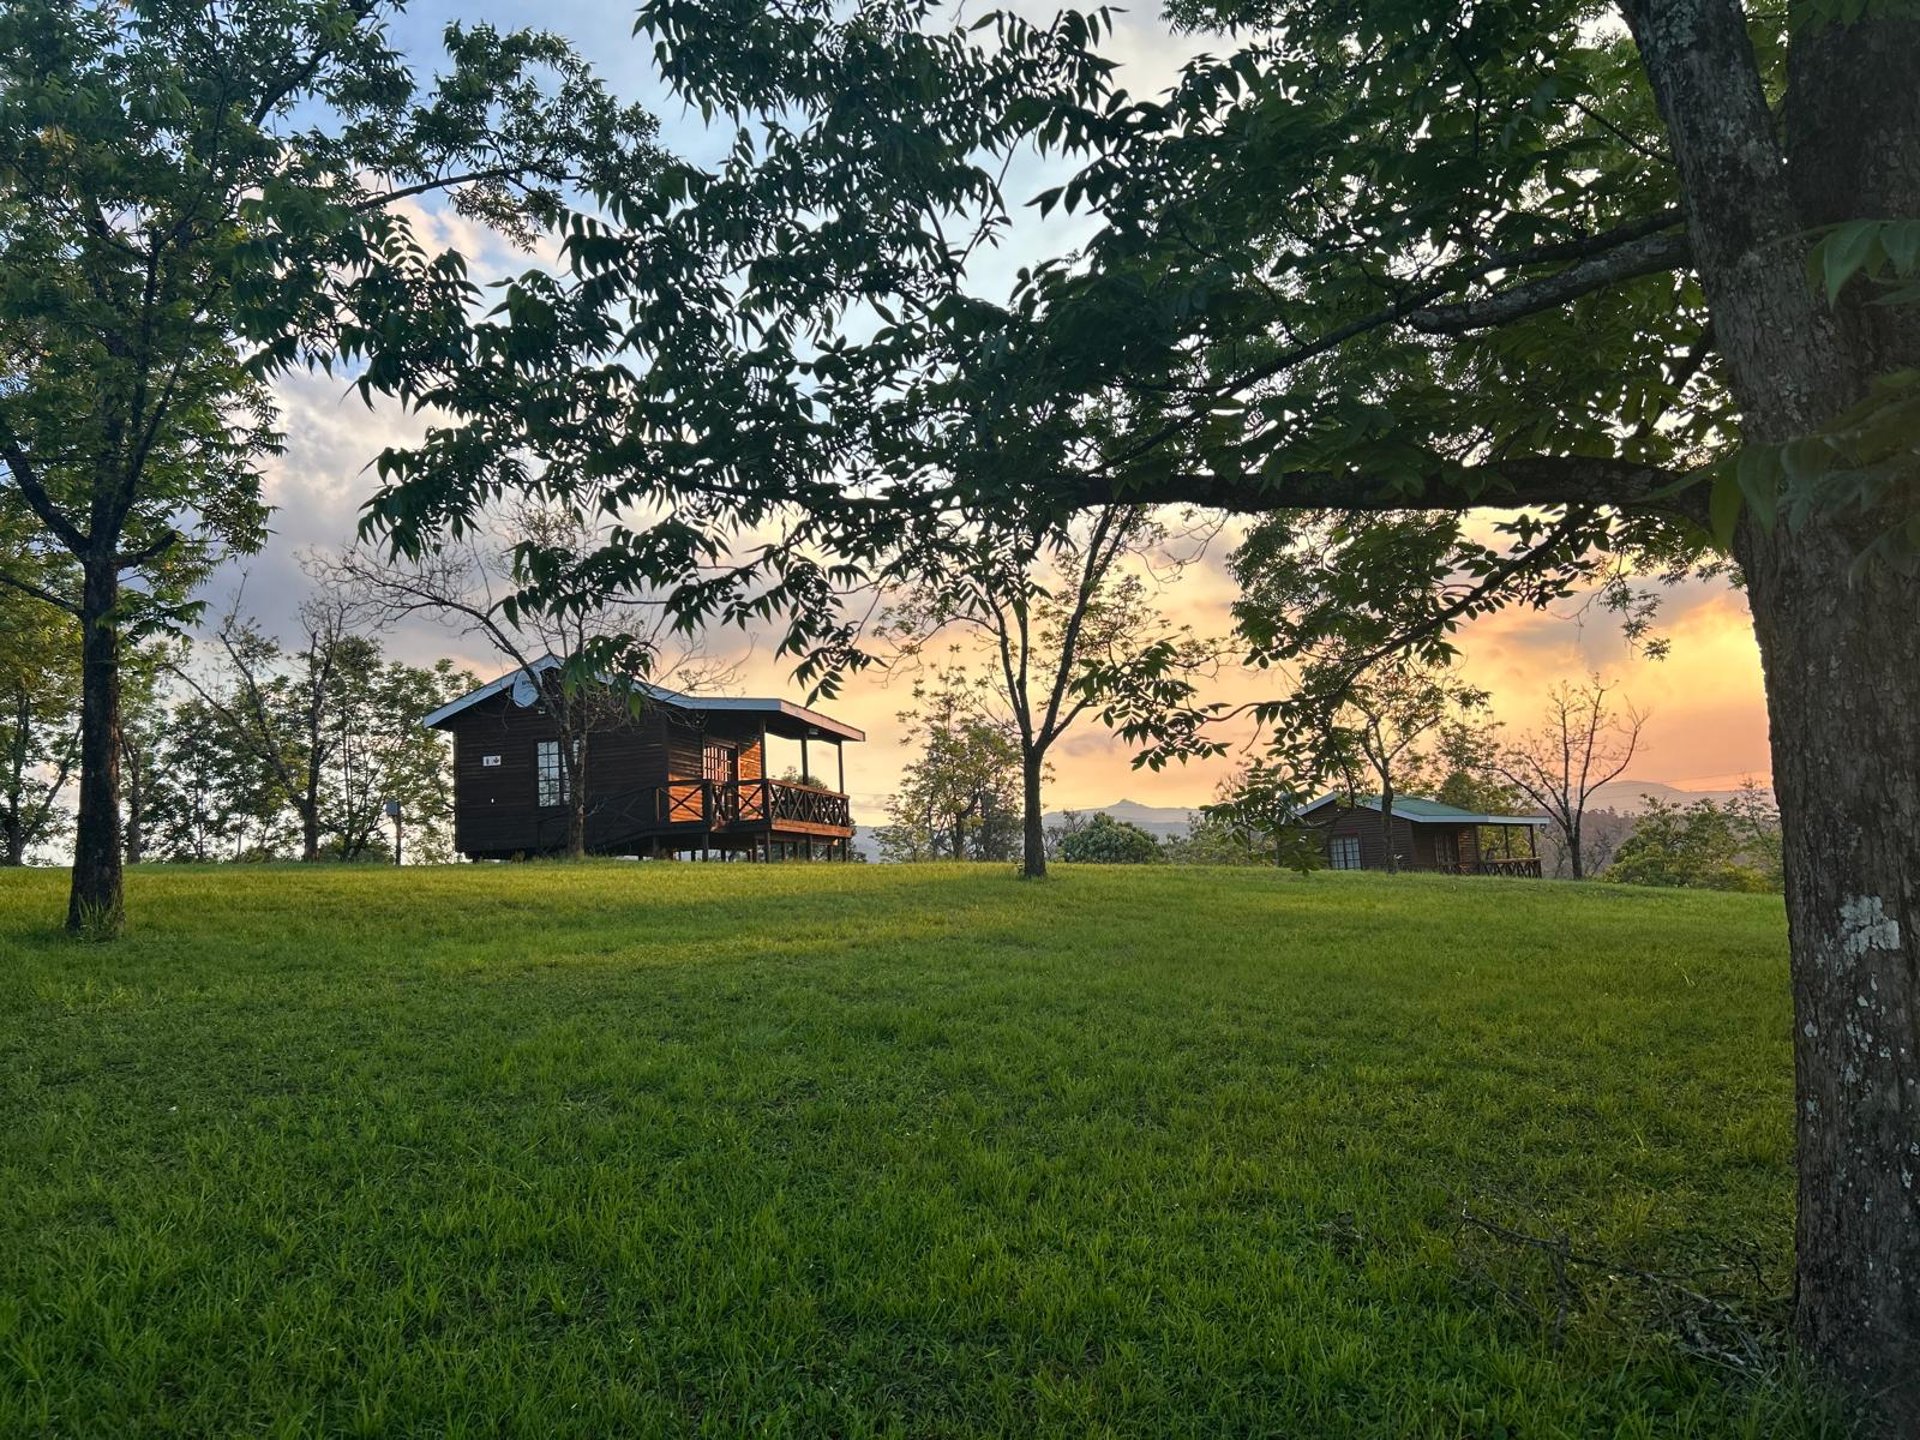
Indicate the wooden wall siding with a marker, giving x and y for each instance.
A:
(1366, 825)
(1420, 846)
(496, 807)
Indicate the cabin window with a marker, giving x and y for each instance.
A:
(549, 773)
(717, 765)
(1346, 852)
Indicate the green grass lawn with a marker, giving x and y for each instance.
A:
(851, 1150)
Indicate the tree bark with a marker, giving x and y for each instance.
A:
(308, 804)
(1847, 777)
(134, 840)
(1033, 850)
(573, 760)
(310, 830)
(1841, 649)
(96, 904)
(13, 822)
(1386, 823)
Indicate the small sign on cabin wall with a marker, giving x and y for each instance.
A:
(488, 762)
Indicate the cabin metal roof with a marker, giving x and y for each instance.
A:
(1426, 812)
(801, 718)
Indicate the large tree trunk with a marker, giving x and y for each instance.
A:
(1842, 651)
(1033, 851)
(1848, 780)
(95, 904)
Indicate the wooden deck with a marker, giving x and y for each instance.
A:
(759, 817)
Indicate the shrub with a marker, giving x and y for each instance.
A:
(1107, 841)
(1703, 846)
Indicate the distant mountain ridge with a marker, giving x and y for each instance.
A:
(1629, 796)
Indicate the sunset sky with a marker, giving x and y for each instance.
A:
(1707, 727)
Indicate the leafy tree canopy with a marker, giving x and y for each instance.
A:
(1104, 840)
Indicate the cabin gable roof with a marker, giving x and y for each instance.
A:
(1422, 812)
(796, 718)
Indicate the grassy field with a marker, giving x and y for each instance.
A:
(851, 1150)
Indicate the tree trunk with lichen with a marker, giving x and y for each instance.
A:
(1847, 776)
(1840, 640)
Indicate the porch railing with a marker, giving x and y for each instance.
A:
(1527, 866)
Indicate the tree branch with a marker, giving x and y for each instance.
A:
(37, 593)
(387, 197)
(41, 503)
(1513, 482)
(1649, 256)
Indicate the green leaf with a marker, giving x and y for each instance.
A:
(1845, 252)
(1901, 240)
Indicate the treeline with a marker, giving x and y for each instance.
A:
(1410, 734)
(240, 747)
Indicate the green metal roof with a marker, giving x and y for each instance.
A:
(1429, 812)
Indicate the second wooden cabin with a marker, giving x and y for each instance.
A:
(1425, 835)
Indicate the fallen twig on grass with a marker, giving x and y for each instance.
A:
(1706, 1325)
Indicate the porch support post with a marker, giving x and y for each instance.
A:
(840, 759)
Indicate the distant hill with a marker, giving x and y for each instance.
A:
(1628, 796)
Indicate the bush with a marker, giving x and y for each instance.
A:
(1704, 846)
(1107, 841)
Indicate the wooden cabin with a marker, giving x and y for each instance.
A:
(680, 774)
(1425, 835)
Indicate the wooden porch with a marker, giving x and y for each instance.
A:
(758, 819)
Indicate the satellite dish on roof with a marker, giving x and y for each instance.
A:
(526, 690)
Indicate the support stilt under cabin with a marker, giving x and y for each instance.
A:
(679, 775)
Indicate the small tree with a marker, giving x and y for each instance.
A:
(1586, 740)
(291, 712)
(1060, 621)
(1704, 845)
(39, 697)
(960, 797)
(1256, 810)
(207, 796)
(1104, 840)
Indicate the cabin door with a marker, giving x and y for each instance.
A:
(720, 767)
(1446, 851)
